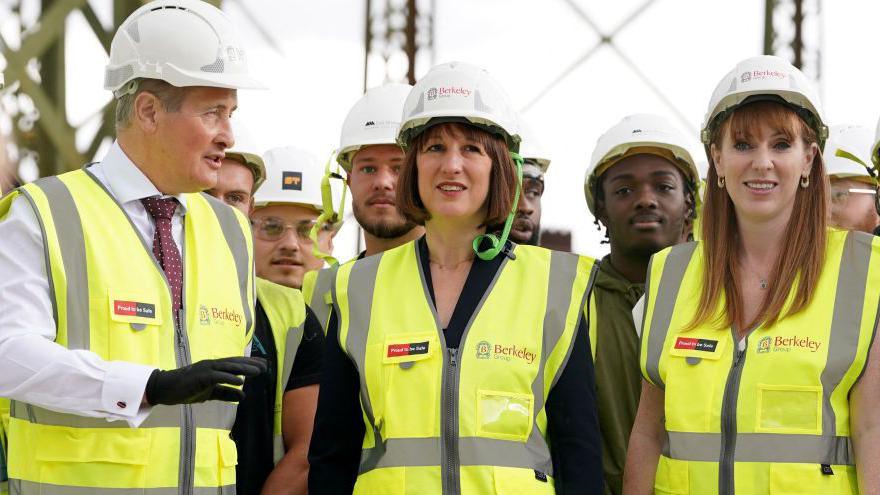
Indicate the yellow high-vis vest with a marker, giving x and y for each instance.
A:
(286, 311)
(316, 291)
(466, 420)
(111, 297)
(771, 416)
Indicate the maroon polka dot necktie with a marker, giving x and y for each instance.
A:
(166, 252)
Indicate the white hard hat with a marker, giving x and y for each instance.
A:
(765, 77)
(846, 152)
(374, 119)
(635, 134)
(252, 162)
(293, 176)
(530, 148)
(182, 42)
(458, 91)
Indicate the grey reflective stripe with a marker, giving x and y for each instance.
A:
(291, 345)
(238, 245)
(33, 488)
(563, 272)
(277, 448)
(667, 292)
(843, 342)
(361, 281)
(68, 227)
(213, 414)
(761, 447)
(318, 304)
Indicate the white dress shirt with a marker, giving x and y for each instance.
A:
(33, 368)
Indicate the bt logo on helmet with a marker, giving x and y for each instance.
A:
(446, 92)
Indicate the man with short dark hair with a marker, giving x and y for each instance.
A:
(641, 185)
(273, 425)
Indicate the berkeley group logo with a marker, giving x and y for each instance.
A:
(432, 94)
(204, 319)
(485, 350)
(787, 344)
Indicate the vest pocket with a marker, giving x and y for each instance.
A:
(512, 481)
(807, 479)
(671, 477)
(789, 409)
(410, 385)
(113, 458)
(504, 415)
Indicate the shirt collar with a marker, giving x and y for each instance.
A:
(126, 181)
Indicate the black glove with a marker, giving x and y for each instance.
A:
(202, 381)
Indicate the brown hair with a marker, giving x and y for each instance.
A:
(169, 95)
(502, 181)
(801, 258)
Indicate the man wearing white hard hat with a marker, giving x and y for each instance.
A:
(286, 208)
(273, 425)
(127, 294)
(852, 178)
(641, 186)
(526, 227)
(371, 157)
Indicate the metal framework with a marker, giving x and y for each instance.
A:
(793, 30)
(398, 39)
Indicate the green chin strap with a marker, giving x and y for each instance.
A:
(328, 215)
(499, 242)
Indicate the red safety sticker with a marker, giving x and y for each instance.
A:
(397, 350)
(690, 343)
(131, 308)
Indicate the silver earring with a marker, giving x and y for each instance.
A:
(721, 182)
(805, 182)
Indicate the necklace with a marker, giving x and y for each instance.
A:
(761, 280)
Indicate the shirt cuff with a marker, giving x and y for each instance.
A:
(123, 392)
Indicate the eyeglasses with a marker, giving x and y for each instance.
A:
(840, 196)
(274, 228)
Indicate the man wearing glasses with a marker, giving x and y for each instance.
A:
(274, 423)
(853, 184)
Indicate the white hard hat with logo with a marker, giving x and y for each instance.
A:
(293, 176)
(530, 148)
(374, 119)
(846, 153)
(765, 77)
(459, 92)
(182, 42)
(637, 134)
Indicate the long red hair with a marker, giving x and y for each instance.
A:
(801, 257)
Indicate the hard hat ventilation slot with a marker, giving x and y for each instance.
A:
(134, 32)
(115, 77)
(479, 105)
(217, 66)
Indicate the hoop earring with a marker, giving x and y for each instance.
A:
(721, 182)
(805, 182)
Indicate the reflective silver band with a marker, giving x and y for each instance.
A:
(761, 447)
(667, 292)
(20, 487)
(68, 227)
(318, 304)
(846, 321)
(238, 246)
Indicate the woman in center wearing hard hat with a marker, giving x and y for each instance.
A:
(757, 346)
(459, 362)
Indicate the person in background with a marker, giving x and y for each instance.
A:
(758, 346)
(641, 185)
(119, 382)
(273, 425)
(852, 178)
(371, 158)
(285, 209)
(444, 365)
(527, 225)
